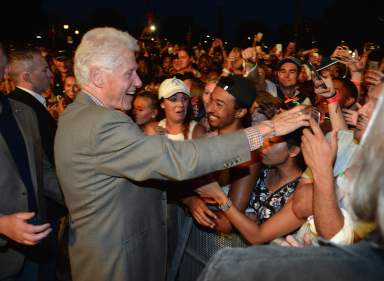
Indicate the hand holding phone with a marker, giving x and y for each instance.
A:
(316, 74)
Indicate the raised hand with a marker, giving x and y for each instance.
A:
(319, 154)
(290, 120)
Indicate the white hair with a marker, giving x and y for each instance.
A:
(101, 47)
(367, 170)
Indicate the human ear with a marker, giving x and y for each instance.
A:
(294, 151)
(96, 77)
(240, 113)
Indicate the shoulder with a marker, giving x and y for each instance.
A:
(198, 130)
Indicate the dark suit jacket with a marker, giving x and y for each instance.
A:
(47, 128)
(13, 197)
(47, 125)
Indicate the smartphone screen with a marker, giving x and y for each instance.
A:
(315, 114)
(316, 74)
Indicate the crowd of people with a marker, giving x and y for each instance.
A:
(129, 160)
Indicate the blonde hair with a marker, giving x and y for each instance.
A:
(101, 47)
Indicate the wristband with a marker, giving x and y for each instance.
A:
(225, 207)
(333, 99)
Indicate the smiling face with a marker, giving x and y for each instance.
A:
(119, 85)
(221, 108)
(176, 107)
(288, 75)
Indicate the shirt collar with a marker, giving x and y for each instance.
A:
(40, 98)
(94, 99)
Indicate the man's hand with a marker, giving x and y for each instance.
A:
(17, 228)
(199, 211)
(319, 154)
(291, 241)
(287, 121)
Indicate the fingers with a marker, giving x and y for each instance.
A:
(25, 216)
(32, 239)
(315, 128)
(204, 216)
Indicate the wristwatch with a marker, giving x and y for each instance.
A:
(224, 207)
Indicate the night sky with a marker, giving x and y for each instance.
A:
(204, 12)
(325, 21)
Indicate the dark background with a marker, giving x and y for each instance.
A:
(310, 23)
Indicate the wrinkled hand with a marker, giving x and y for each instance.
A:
(200, 212)
(350, 116)
(319, 154)
(17, 228)
(290, 120)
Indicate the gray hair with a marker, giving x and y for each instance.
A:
(368, 181)
(20, 61)
(101, 47)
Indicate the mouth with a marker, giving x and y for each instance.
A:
(130, 93)
(212, 117)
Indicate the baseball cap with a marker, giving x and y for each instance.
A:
(293, 60)
(240, 87)
(171, 86)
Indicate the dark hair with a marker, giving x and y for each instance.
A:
(294, 139)
(153, 98)
(349, 86)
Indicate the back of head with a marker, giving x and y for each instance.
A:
(21, 61)
(239, 87)
(101, 47)
(367, 171)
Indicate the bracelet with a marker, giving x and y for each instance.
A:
(271, 125)
(225, 207)
(333, 99)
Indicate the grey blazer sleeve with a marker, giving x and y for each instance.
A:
(123, 150)
(51, 184)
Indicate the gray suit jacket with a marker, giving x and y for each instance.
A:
(14, 197)
(118, 226)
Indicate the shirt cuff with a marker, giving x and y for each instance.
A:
(255, 138)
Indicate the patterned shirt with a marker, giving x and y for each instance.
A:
(265, 203)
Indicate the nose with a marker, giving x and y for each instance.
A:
(137, 81)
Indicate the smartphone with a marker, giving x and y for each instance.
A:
(372, 64)
(279, 48)
(316, 74)
(316, 115)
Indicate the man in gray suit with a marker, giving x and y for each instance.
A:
(23, 174)
(118, 228)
